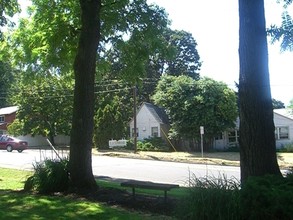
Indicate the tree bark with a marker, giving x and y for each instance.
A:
(80, 161)
(257, 138)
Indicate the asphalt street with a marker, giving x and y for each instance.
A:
(125, 168)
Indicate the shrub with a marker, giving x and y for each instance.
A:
(146, 146)
(267, 197)
(49, 176)
(232, 149)
(129, 145)
(150, 144)
(211, 198)
(287, 148)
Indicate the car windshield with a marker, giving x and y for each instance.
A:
(3, 138)
(7, 138)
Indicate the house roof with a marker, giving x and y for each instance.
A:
(159, 113)
(285, 112)
(8, 110)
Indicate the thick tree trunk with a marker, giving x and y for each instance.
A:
(80, 160)
(257, 138)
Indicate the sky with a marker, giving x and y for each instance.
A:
(214, 25)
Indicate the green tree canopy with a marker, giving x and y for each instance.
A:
(6, 81)
(277, 104)
(174, 53)
(110, 123)
(45, 106)
(46, 42)
(7, 9)
(186, 60)
(284, 32)
(47, 39)
(193, 103)
(291, 103)
(180, 58)
(113, 111)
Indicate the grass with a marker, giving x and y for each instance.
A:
(11, 179)
(15, 204)
(24, 206)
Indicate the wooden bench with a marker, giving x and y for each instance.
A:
(149, 185)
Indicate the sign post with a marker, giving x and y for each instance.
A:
(201, 129)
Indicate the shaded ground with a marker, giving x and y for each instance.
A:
(144, 203)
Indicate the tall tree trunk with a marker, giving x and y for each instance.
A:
(80, 160)
(257, 138)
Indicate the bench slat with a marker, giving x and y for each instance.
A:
(149, 185)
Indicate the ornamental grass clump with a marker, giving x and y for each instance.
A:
(49, 176)
(211, 198)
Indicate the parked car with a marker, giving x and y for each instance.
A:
(11, 143)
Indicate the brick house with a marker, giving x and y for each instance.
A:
(7, 116)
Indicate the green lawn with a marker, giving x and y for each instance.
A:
(15, 204)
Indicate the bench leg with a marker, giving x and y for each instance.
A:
(133, 192)
(165, 195)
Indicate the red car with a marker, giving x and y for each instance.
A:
(11, 143)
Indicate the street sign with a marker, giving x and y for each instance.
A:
(201, 128)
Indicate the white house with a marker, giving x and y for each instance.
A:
(152, 121)
(283, 120)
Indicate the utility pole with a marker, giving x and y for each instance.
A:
(134, 120)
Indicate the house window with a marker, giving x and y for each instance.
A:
(281, 133)
(2, 118)
(132, 132)
(233, 136)
(219, 136)
(155, 131)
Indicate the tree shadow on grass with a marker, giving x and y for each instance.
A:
(100, 205)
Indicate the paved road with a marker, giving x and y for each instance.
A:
(123, 168)
(158, 171)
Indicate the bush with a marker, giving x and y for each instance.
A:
(141, 146)
(287, 148)
(129, 145)
(267, 197)
(211, 198)
(233, 149)
(150, 144)
(49, 176)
